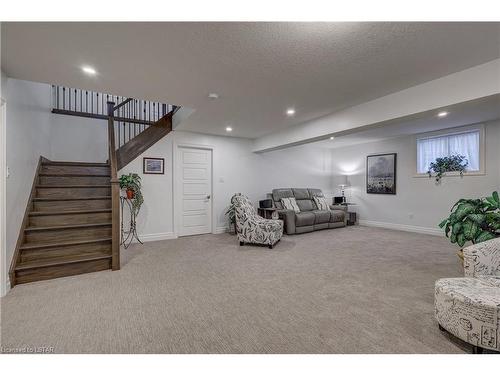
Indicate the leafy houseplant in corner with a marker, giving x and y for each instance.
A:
(454, 163)
(231, 215)
(474, 220)
(131, 183)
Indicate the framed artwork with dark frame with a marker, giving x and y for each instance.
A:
(153, 165)
(381, 174)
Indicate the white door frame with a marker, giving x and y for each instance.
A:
(4, 274)
(177, 196)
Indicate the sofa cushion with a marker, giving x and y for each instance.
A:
(281, 193)
(321, 216)
(290, 204)
(336, 216)
(304, 218)
(306, 205)
(315, 193)
(321, 203)
(301, 193)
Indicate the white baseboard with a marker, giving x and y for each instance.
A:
(7, 287)
(403, 227)
(157, 237)
(219, 230)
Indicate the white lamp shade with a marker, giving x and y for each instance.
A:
(343, 180)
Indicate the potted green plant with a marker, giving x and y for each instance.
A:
(453, 163)
(474, 220)
(231, 215)
(131, 183)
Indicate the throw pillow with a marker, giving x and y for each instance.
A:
(290, 204)
(321, 203)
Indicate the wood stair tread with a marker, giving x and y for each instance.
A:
(62, 244)
(75, 163)
(70, 226)
(73, 175)
(71, 186)
(73, 212)
(59, 262)
(72, 199)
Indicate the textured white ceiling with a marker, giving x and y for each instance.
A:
(258, 69)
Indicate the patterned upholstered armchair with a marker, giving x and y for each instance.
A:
(252, 228)
(469, 307)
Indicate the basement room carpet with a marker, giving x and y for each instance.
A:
(349, 290)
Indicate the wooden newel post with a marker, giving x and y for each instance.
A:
(115, 192)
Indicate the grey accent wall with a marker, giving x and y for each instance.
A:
(419, 202)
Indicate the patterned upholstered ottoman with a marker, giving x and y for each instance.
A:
(469, 308)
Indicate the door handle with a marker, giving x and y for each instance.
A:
(208, 196)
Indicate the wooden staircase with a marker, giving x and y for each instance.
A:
(71, 223)
(67, 228)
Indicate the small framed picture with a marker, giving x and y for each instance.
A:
(153, 166)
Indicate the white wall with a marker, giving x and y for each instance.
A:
(33, 131)
(419, 204)
(28, 134)
(236, 169)
(3, 164)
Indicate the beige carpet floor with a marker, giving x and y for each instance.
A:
(347, 290)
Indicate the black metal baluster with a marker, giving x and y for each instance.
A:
(86, 101)
(57, 97)
(97, 102)
(64, 97)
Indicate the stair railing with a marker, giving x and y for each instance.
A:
(115, 190)
(131, 116)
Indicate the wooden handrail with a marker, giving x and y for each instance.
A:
(122, 104)
(115, 191)
(102, 117)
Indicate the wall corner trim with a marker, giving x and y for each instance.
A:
(402, 227)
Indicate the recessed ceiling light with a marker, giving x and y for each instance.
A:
(213, 95)
(229, 129)
(89, 70)
(443, 114)
(332, 138)
(290, 111)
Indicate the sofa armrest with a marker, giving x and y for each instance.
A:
(288, 217)
(482, 258)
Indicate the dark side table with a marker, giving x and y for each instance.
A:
(351, 216)
(268, 213)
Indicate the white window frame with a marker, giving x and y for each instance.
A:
(455, 131)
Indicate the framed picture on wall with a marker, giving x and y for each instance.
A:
(153, 165)
(381, 174)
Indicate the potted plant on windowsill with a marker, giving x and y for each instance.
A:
(131, 183)
(474, 220)
(453, 163)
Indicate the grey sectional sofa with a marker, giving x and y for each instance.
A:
(309, 218)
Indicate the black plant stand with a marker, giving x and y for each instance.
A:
(127, 236)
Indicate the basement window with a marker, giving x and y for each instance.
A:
(468, 143)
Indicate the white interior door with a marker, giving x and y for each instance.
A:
(195, 175)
